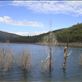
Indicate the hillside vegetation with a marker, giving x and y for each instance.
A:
(70, 34)
(5, 36)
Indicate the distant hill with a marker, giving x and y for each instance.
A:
(5, 36)
(70, 34)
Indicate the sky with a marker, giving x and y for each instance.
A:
(36, 17)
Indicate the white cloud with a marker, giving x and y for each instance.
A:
(9, 20)
(65, 7)
(29, 33)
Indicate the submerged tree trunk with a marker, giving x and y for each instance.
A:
(65, 58)
(66, 51)
(50, 52)
(50, 59)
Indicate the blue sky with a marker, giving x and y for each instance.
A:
(35, 17)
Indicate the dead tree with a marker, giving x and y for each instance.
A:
(65, 58)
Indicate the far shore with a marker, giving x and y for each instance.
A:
(73, 44)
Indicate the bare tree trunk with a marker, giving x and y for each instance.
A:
(50, 53)
(50, 60)
(65, 58)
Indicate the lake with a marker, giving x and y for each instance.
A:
(73, 72)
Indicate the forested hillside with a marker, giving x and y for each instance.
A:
(70, 34)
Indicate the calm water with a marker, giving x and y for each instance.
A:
(38, 53)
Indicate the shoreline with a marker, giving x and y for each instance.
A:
(73, 44)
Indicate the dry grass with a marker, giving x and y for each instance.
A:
(45, 64)
(8, 59)
(80, 59)
(1, 57)
(25, 60)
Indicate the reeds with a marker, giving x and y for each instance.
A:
(8, 59)
(1, 57)
(25, 60)
(81, 59)
(46, 65)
